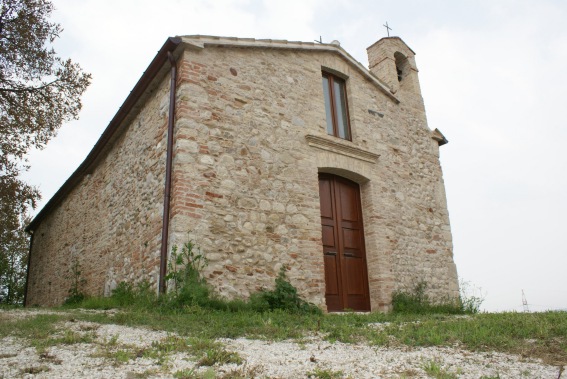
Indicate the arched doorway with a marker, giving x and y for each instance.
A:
(346, 276)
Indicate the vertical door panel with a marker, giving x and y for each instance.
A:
(332, 286)
(330, 246)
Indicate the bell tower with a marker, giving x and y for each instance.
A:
(393, 62)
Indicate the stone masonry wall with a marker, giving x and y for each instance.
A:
(243, 187)
(111, 222)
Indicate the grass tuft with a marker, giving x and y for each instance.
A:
(434, 369)
(194, 374)
(319, 373)
(33, 370)
(212, 352)
(219, 356)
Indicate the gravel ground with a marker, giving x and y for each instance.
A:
(261, 359)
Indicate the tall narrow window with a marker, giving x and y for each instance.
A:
(334, 91)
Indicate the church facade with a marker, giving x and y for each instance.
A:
(276, 153)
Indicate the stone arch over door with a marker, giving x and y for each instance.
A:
(344, 251)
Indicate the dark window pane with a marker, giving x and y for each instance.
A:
(328, 105)
(340, 107)
(336, 111)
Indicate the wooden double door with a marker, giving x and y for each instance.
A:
(346, 277)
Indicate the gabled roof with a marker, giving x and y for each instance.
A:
(201, 41)
(392, 38)
(158, 67)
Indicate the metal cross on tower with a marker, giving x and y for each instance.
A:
(387, 28)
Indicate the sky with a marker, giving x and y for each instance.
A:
(493, 78)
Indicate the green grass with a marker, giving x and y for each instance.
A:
(208, 324)
(70, 337)
(42, 331)
(219, 355)
(37, 328)
(207, 352)
(539, 335)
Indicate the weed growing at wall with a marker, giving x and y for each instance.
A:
(141, 294)
(185, 267)
(76, 294)
(186, 285)
(471, 297)
(284, 297)
(418, 302)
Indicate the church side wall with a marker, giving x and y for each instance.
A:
(421, 241)
(110, 224)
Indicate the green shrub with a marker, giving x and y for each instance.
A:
(410, 302)
(187, 287)
(185, 267)
(417, 302)
(140, 295)
(124, 294)
(283, 297)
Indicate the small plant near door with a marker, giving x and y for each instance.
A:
(76, 294)
(284, 297)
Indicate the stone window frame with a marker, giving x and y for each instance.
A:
(330, 100)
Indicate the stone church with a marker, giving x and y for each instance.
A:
(265, 153)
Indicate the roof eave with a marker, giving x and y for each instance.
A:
(113, 127)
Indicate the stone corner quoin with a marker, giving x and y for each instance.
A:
(259, 181)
